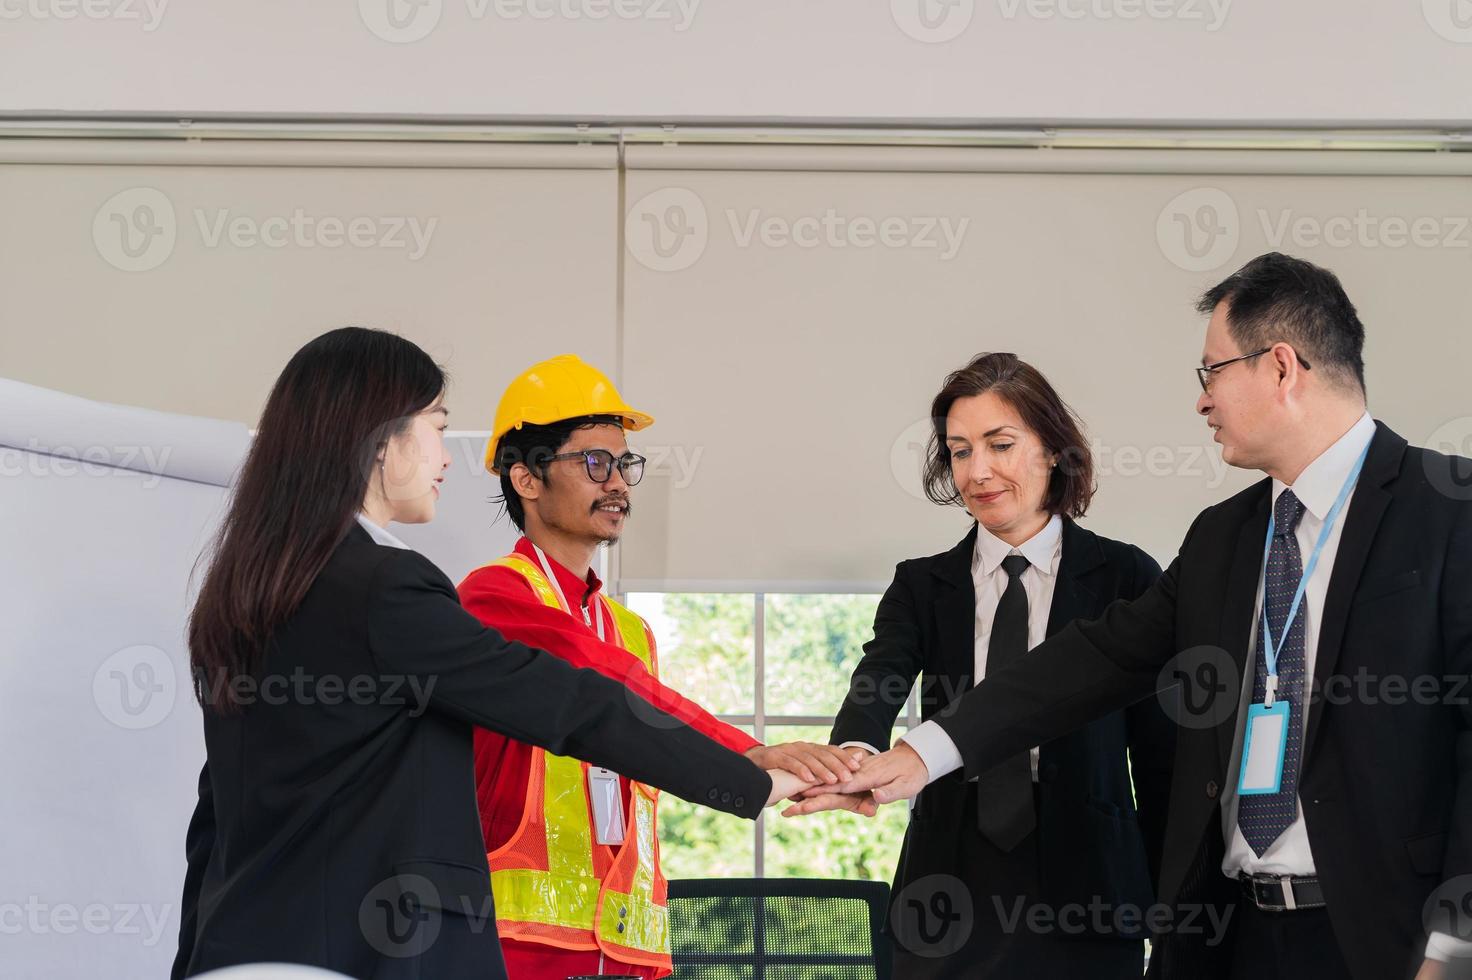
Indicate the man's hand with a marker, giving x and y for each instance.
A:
(821, 798)
(898, 774)
(1431, 970)
(812, 763)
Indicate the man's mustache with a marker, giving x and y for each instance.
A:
(611, 501)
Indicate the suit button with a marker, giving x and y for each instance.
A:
(740, 802)
(725, 797)
(713, 794)
(1211, 790)
(620, 927)
(623, 912)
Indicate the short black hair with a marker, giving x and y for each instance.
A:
(534, 445)
(1278, 298)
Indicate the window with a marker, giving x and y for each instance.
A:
(777, 666)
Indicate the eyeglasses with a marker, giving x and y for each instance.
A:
(1204, 373)
(600, 463)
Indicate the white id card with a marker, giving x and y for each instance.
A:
(608, 805)
(1264, 749)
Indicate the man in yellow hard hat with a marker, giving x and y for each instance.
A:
(573, 849)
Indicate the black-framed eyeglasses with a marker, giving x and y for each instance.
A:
(1204, 373)
(600, 463)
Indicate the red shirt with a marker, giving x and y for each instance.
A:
(502, 598)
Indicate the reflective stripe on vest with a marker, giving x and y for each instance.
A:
(544, 880)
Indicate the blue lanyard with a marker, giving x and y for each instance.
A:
(1270, 649)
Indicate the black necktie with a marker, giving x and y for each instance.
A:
(1004, 812)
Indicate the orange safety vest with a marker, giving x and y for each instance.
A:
(552, 882)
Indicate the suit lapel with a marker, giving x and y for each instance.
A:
(1073, 598)
(955, 613)
(1239, 614)
(1361, 521)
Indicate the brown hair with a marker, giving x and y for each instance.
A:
(1070, 485)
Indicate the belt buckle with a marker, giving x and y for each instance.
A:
(1266, 889)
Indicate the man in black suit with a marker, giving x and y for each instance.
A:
(1366, 845)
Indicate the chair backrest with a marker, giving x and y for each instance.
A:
(779, 929)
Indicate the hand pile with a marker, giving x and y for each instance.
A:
(826, 777)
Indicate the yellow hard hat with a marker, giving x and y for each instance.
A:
(556, 390)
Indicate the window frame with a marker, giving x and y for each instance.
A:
(758, 720)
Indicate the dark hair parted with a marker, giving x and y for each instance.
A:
(1070, 485)
(1277, 298)
(534, 445)
(337, 403)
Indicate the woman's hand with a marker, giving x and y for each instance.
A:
(898, 774)
(812, 762)
(785, 785)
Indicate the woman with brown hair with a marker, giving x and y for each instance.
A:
(1043, 866)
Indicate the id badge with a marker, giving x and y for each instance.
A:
(608, 805)
(1264, 749)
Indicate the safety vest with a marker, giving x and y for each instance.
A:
(552, 881)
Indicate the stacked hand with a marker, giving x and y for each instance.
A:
(800, 766)
(898, 774)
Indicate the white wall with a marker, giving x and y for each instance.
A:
(102, 730)
(1009, 60)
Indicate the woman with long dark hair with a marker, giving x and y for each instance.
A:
(341, 680)
(1067, 828)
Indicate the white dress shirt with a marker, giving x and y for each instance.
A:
(1043, 551)
(380, 535)
(1317, 487)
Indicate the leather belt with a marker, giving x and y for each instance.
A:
(1281, 893)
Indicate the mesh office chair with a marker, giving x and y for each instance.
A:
(779, 929)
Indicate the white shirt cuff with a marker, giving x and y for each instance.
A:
(1441, 947)
(863, 745)
(935, 749)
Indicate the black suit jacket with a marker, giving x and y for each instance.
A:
(1095, 844)
(340, 829)
(1385, 780)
